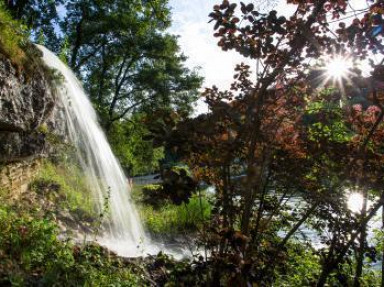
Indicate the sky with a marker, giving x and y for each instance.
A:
(190, 22)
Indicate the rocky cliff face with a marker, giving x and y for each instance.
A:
(28, 111)
(29, 115)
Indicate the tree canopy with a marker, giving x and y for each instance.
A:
(122, 52)
(127, 60)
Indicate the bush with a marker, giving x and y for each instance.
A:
(12, 37)
(153, 194)
(32, 255)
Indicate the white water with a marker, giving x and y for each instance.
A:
(123, 233)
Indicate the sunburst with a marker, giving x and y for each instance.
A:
(337, 68)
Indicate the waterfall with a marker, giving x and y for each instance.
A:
(105, 177)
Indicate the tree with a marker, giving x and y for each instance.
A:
(121, 51)
(40, 16)
(286, 135)
(131, 67)
(136, 154)
(126, 59)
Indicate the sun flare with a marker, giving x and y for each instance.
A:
(355, 202)
(337, 67)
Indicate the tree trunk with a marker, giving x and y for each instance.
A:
(78, 41)
(248, 202)
(323, 277)
(361, 250)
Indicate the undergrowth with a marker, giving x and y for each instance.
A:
(66, 185)
(13, 35)
(32, 255)
(33, 252)
(170, 219)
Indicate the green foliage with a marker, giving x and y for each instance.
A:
(32, 255)
(149, 188)
(34, 252)
(12, 38)
(16, 47)
(41, 16)
(130, 62)
(63, 55)
(136, 155)
(301, 269)
(173, 219)
(153, 194)
(171, 273)
(324, 117)
(72, 192)
(169, 219)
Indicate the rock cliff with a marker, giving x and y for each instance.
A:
(29, 112)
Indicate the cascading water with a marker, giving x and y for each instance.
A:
(105, 177)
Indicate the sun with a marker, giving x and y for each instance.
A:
(355, 202)
(337, 67)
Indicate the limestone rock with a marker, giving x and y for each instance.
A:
(27, 102)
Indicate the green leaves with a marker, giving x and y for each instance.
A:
(40, 16)
(131, 143)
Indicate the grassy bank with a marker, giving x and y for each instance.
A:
(33, 252)
(167, 219)
(65, 185)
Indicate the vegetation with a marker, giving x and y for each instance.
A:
(39, 16)
(162, 218)
(66, 185)
(33, 254)
(136, 155)
(16, 47)
(291, 133)
(12, 37)
(130, 66)
(284, 136)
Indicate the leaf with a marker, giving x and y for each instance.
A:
(250, 7)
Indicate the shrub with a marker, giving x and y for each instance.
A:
(65, 184)
(13, 36)
(32, 255)
(153, 194)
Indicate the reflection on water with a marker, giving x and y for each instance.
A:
(307, 234)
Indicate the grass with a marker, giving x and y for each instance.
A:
(170, 219)
(65, 184)
(31, 254)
